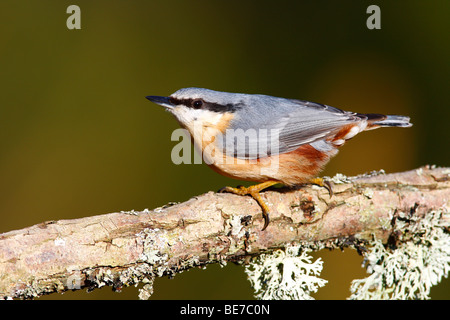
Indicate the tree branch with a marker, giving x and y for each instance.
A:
(129, 247)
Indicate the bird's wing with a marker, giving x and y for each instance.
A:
(279, 126)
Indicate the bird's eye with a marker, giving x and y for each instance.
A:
(197, 104)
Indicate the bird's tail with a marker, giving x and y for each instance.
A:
(379, 120)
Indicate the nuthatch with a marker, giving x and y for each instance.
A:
(267, 139)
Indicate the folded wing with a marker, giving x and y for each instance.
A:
(276, 125)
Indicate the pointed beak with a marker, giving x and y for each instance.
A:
(162, 101)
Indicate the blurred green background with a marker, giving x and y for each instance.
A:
(78, 137)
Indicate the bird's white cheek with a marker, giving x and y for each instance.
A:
(183, 115)
(191, 118)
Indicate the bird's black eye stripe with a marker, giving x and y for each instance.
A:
(199, 103)
(191, 103)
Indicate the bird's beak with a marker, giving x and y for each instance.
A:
(162, 101)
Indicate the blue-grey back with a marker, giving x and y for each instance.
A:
(282, 125)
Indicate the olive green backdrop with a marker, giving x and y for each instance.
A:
(78, 138)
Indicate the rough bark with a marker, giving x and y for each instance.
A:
(128, 247)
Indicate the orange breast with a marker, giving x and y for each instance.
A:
(292, 168)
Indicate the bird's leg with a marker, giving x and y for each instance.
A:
(254, 192)
(322, 183)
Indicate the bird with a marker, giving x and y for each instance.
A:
(265, 139)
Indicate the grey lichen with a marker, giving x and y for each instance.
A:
(147, 289)
(340, 178)
(154, 242)
(155, 258)
(285, 275)
(420, 260)
(407, 267)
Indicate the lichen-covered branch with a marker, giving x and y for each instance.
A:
(126, 248)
